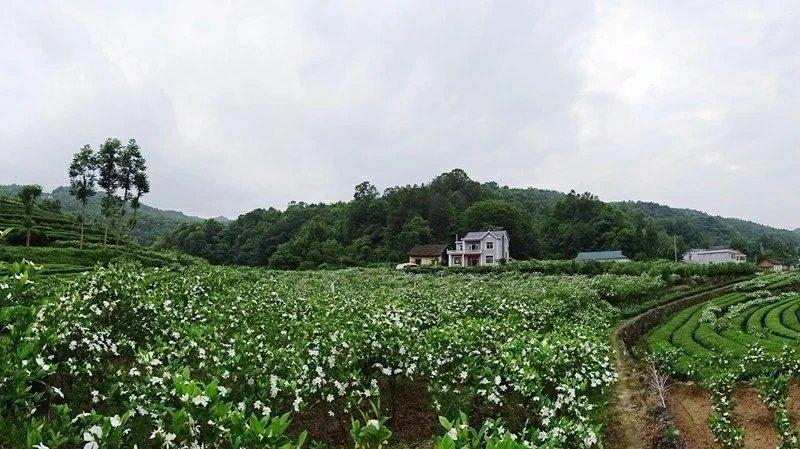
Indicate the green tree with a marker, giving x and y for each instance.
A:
(142, 186)
(108, 180)
(28, 196)
(82, 179)
(129, 163)
(131, 167)
(500, 215)
(416, 230)
(51, 205)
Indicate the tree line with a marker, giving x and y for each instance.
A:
(377, 227)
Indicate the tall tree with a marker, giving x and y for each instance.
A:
(107, 157)
(142, 186)
(28, 196)
(82, 179)
(130, 163)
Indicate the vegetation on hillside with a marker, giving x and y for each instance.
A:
(150, 222)
(380, 227)
(47, 226)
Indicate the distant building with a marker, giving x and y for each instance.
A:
(714, 255)
(772, 265)
(479, 248)
(427, 254)
(602, 256)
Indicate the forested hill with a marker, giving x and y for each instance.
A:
(697, 226)
(152, 222)
(381, 227)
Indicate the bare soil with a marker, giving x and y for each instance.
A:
(692, 407)
(412, 420)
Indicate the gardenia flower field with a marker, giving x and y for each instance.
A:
(240, 357)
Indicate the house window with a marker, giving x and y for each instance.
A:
(489, 259)
(456, 260)
(489, 245)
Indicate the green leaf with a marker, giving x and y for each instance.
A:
(446, 443)
(302, 439)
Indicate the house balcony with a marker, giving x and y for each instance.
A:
(463, 252)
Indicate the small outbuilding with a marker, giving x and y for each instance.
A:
(603, 256)
(427, 254)
(772, 265)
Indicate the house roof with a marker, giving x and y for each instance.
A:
(428, 250)
(477, 235)
(601, 255)
(714, 251)
(770, 261)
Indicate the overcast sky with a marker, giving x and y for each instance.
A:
(239, 105)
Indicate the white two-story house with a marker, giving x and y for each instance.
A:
(479, 248)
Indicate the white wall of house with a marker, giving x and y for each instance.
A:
(705, 256)
(488, 250)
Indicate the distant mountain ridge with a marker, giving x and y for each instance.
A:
(152, 222)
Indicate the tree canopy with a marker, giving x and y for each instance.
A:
(381, 227)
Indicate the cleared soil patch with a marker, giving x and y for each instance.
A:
(692, 408)
(794, 403)
(756, 417)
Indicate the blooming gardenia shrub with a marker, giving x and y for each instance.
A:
(228, 357)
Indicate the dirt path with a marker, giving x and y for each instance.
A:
(631, 426)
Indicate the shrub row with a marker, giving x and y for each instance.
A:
(664, 269)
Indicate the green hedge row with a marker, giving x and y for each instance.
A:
(664, 269)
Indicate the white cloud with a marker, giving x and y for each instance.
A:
(249, 104)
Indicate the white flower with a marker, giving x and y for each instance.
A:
(96, 430)
(116, 421)
(40, 362)
(453, 434)
(168, 439)
(41, 446)
(91, 437)
(374, 423)
(201, 400)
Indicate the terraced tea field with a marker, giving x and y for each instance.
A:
(742, 348)
(49, 227)
(755, 314)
